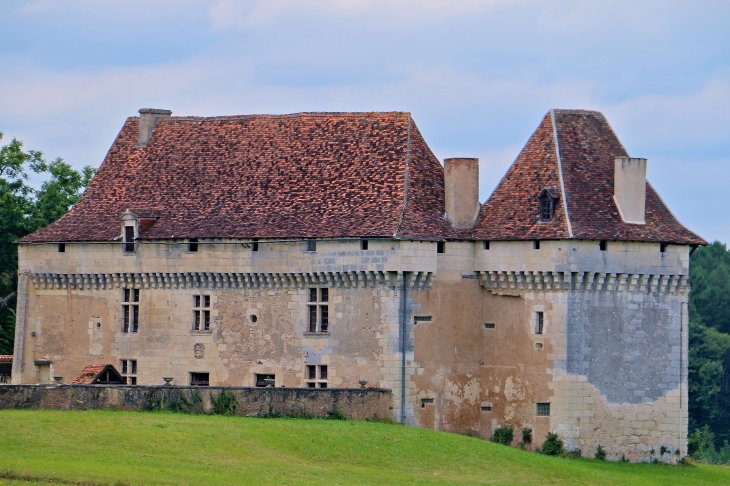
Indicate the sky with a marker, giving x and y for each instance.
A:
(477, 75)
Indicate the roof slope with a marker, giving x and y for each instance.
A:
(304, 175)
(94, 374)
(584, 160)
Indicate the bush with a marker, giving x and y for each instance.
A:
(553, 445)
(225, 403)
(600, 453)
(526, 435)
(701, 447)
(503, 435)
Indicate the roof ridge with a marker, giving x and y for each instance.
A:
(560, 173)
(194, 118)
(405, 180)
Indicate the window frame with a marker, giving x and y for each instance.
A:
(130, 309)
(318, 321)
(193, 245)
(539, 322)
(542, 409)
(315, 376)
(200, 381)
(129, 371)
(129, 245)
(201, 312)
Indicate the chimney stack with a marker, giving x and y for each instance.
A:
(461, 185)
(629, 189)
(147, 119)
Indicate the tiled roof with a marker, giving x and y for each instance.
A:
(306, 175)
(587, 147)
(6, 358)
(89, 374)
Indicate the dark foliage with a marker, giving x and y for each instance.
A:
(503, 435)
(600, 453)
(225, 403)
(553, 445)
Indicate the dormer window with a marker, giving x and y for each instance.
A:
(548, 201)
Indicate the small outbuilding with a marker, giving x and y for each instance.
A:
(99, 375)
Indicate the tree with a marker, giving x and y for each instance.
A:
(24, 210)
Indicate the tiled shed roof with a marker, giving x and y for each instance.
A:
(306, 175)
(587, 147)
(88, 375)
(6, 358)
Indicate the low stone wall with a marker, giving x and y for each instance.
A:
(353, 403)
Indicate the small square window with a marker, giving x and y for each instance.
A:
(193, 244)
(364, 244)
(315, 376)
(199, 379)
(543, 409)
(440, 247)
(417, 319)
(62, 248)
(489, 325)
(311, 245)
(486, 245)
(196, 301)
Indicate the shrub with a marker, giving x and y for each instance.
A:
(600, 453)
(553, 445)
(526, 435)
(503, 435)
(225, 403)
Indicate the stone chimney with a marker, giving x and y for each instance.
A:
(461, 184)
(147, 119)
(629, 189)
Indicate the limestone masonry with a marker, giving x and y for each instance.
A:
(333, 250)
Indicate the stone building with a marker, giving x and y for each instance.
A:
(329, 249)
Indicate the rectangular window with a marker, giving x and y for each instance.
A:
(193, 244)
(426, 401)
(538, 323)
(536, 245)
(318, 310)
(486, 408)
(129, 371)
(199, 379)
(603, 245)
(130, 310)
(486, 245)
(543, 409)
(129, 238)
(311, 245)
(364, 244)
(201, 312)
(663, 247)
(316, 376)
(422, 318)
(62, 248)
(440, 247)
(255, 245)
(489, 325)
(265, 380)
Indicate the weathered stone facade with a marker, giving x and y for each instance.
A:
(540, 309)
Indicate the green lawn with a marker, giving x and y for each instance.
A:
(163, 448)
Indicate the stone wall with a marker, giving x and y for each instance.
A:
(353, 403)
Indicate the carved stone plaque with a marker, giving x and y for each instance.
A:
(199, 349)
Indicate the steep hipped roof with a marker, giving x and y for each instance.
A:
(306, 175)
(572, 151)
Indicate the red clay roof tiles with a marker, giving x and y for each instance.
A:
(307, 175)
(88, 375)
(6, 358)
(587, 149)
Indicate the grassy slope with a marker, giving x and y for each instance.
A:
(161, 448)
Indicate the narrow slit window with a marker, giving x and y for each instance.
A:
(486, 245)
(318, 310)
(418, 319)
(603, 245)
(255, 245)
(536, 245)
(486, 408)
(193, 244)
(539, 323)
(440, 247)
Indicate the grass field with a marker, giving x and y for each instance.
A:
(164, 448)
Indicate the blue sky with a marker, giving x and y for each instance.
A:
(477, 75)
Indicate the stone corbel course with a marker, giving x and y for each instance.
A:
(547, 281)
(233, 280)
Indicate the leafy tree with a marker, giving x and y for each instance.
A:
(24, 210)
(709, 349)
